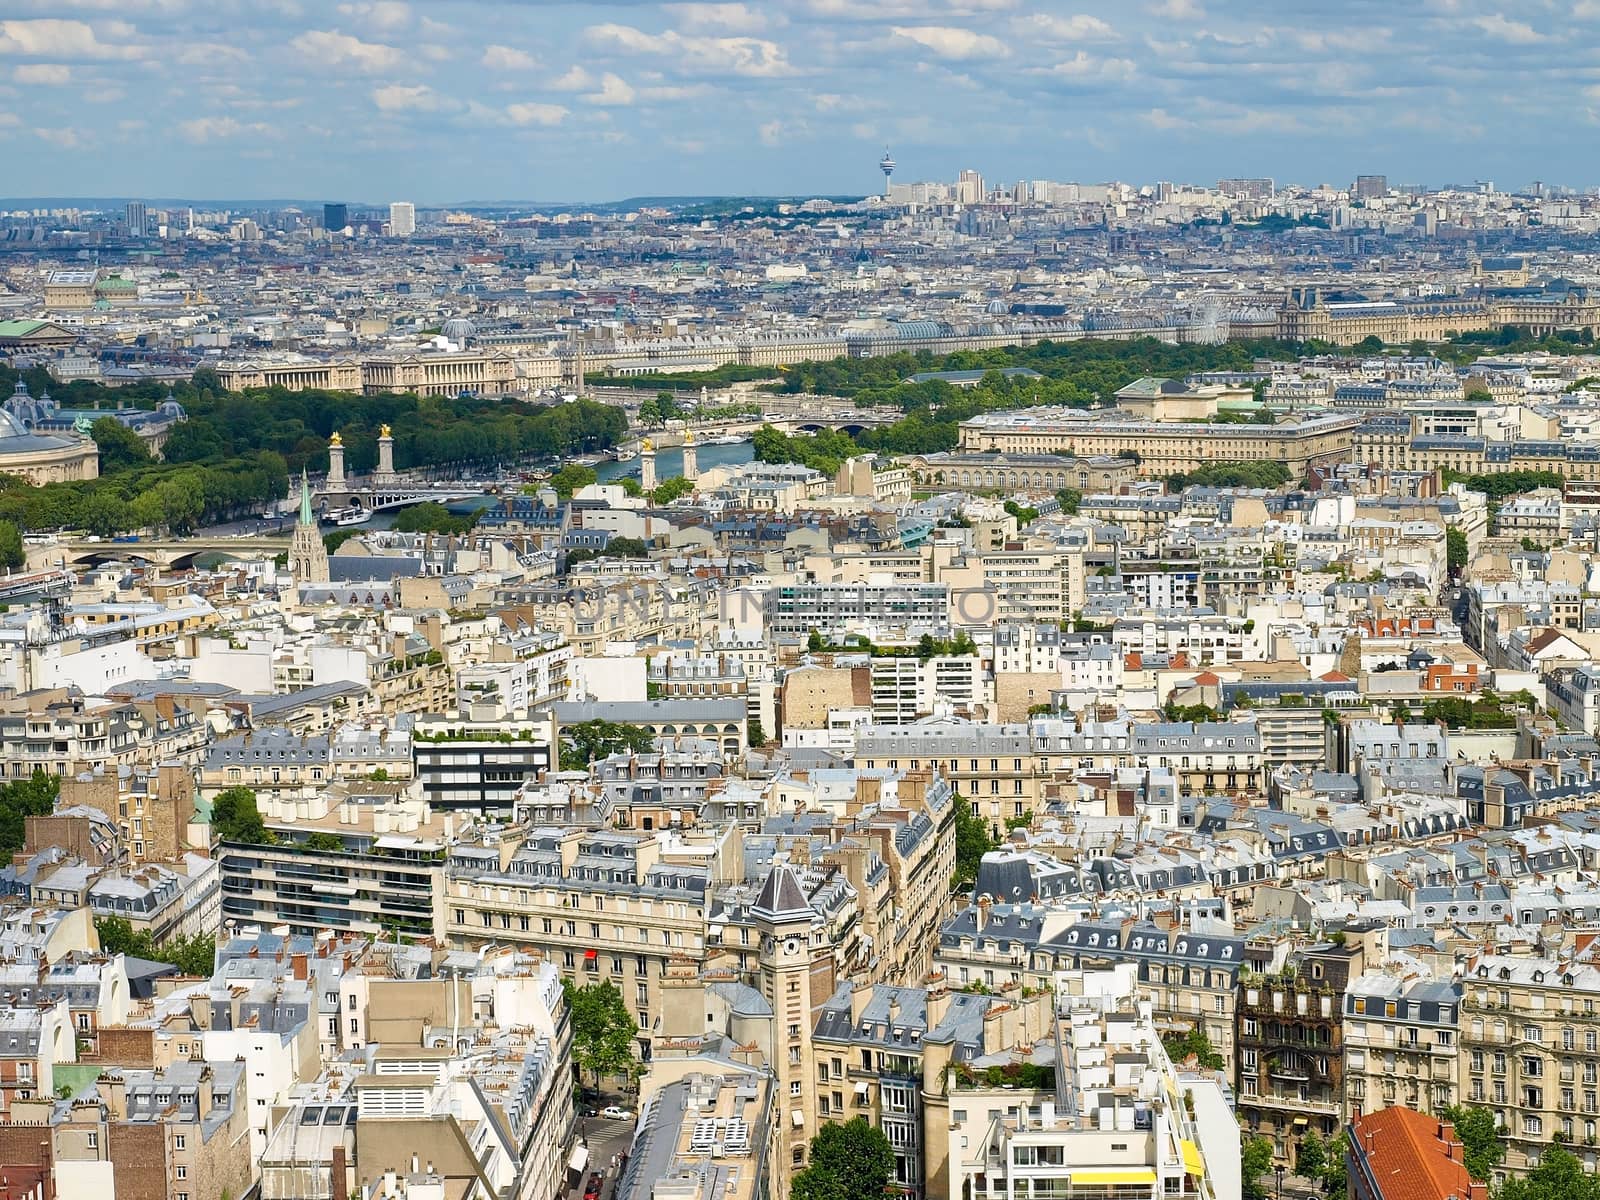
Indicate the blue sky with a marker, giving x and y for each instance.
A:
(459, 100)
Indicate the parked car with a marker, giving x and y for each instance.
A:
(612, 1113)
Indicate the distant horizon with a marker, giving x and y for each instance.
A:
(766, 98)
(109, 203)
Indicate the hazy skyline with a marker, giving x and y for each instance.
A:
(382, 99)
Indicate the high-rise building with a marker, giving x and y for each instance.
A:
(1371, 187)
(138, 218)
(969, 188)
(402, 219)
(335, 216)
(1246, 189)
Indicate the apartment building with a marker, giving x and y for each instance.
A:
(992, 767)
(60, 732)
(883, 1053)
(1290, 1040)
(905, 688)
(377, 867)
(480, 767)
(708, 1134)
(1401, 1038)
(1530, 1051)
(177, 1132)
(1110, 1123)
(602, 905)
(834, 610)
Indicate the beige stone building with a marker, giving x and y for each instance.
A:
(440, 374)
(295, 375)
(1161, 449)
(1530, 1051)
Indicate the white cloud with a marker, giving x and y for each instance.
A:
(575, 80)
(536, 114)
(204, 54)
(1080, 27)
(65, 136)
(729, 18)
(47, 74)
(53, 38)
(681, 91)
(614, 90)
(1086, 66)
(1178, 10)
(212, 129)
(749, 56)
(1517, 33)
(771, 133)
(329, 49)
(952, 42)
(399, 97)
(385, 16)
(508, 58)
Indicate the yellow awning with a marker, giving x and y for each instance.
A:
(1192, 1162)
(1131, 1175)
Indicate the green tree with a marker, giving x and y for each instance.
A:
(572, 478)
(322, 840)
(1180, 1046)
(12, 555)
(433, 517)
(117, 936)
(20, 799)
(235, 818)
(1254, 473)
(756, 735)
(649, 412)
(669, 490)
(814, 643)
(1481, 1147)
(332, 541)
(1559, 1176)
(586, 741)
(626, 547)
(972, 842)
(1311, 1160)
(853, 1161)
(1455, 541)
(603, 1031)
(120, 447)
(195, 955)
(1335, 1178)
(1069, 499)
(631, 487)
(1255, 1160)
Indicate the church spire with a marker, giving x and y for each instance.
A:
(305, 499)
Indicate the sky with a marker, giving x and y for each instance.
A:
(456, 101)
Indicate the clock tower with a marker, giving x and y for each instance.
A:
(785, 920)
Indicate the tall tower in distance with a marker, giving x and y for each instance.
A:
(335, 217)
(402, 219)
(886, 165)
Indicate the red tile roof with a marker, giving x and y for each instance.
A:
(1408, 1158)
